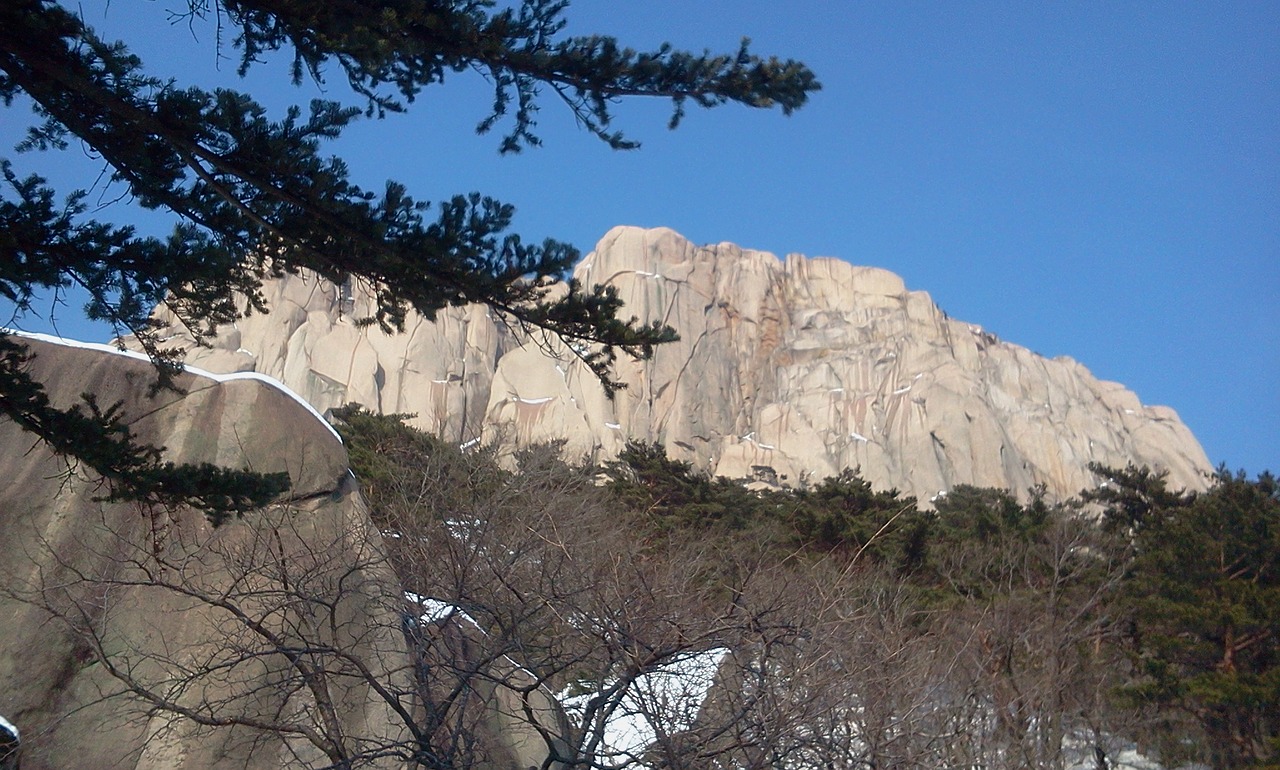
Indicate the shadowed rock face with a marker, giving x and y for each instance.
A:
(255, 643)
(805, 366)
(82, 578)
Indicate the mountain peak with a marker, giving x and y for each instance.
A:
(788, 368)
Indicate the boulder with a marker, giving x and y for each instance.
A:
(103, 603)
(141, 638)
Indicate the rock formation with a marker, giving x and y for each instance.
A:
(795, 368)
(136, 638)
(156, 594)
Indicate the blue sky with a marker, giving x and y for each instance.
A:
(1098, 180)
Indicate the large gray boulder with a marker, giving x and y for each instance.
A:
(803, 366)
(136, 638)
(103, 604)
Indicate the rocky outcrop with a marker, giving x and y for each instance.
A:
(814, 365)
(135, 638)
(105, 603)
(795, 368)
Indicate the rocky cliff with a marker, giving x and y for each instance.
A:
(141, 638)
(785, 369)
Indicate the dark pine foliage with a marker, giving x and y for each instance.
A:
(844, 512)
(674, 496)
(841, 514)
(255, 196)
(1203, 592)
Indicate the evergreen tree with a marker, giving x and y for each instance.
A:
(1133, 497)
(1204, 591)
(256, 197)
(672, 493)
(843, 512)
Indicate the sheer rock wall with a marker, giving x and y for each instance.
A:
(804, 366)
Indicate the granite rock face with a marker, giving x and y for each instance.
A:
(256, 641)
(791, 368)
(155, 594)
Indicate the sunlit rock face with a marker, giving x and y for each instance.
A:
(803, 366)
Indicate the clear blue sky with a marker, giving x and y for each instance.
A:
(1098, 180)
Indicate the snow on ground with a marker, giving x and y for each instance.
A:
(1128, 758)
(663, 701)
(659, 702)
(7, 725)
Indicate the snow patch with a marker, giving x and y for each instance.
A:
(257, 376)
(533, 401)
(7, 725)
(858, 436)
(436, 611)
(663, 701)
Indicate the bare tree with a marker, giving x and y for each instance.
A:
(271, 640)
(666, 651)
(539, 628)
(488, 618)
(1030, 627)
